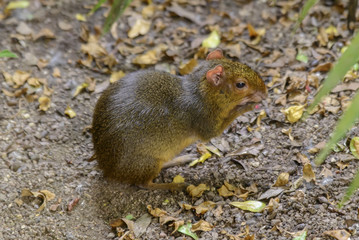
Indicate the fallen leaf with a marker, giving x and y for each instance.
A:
(302, 57)
(212, 41)
(301, 235)
(289, 133)
(44, 195)
(252, 32)
(354, 146)
(325, 67)
(302, 159)
(202, 226)
(178, 179)
(203, 207)
(80, 88)
(197, 191)
(270, 193)
(17, 4)
(141, 27)
(342, 165)
(56, 73)
(187, 68)
(202, 159)
(308, 173)
(70, 112)
(115, 76)
(150, 57)
(80, 17)
(64, 25)
(273, 204)
(339, 234)
(157, 212)
(282, 180)
(252, 206)
(186, 229)
(44, 33)
(293, 113)
(225, 192)
(45, 103)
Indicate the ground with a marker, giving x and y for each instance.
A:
(43, 148)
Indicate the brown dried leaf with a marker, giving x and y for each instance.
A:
(326, 172)
(289, 133)
(342, 165)
(197, 191)
(44, 195)
(45, 103)
(339, 234)
(141, 27)
(178, 179)
(93, 48)
(150, 57)
(308, 173)
(19, 78)
(157, 212)
(56, 73)
(325, 67)
(225, 192)
(115, 76)
(204, 207)
(44, 33)
(63, 25)
(202, 226)
(70, 112)
(302, 159)
(282, 180)
(187, 68)
(252, 32)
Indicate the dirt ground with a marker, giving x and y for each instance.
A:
(48, 150)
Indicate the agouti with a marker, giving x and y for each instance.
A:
(148, 117)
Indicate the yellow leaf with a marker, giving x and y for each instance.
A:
(252, 206)
(178, 179)
(212, 41)
(141, 27)
(80, 88)
(308, 173)
(294, 113)
(80, 17)
(202, 226)
(203, 158)
(115, 76)
(70, 112)
(45, 103)
(197, 191)
(17, 4)
(282, 180)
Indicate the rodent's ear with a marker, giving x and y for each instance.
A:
(216, 54)
(215, 75)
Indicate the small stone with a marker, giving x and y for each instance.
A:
(23, 29)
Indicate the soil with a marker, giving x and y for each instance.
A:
(48, 150)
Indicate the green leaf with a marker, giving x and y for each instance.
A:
(186, 229)
(304, 12)
(118, 7)
(354, 185)
(344, 64)
(354, 146)
(252, 206)
(96, 7)
(302, 57)
(346, 122)
(302, 236)
(129, 217)
(356, 67)
(7, 53)
(212, 41)
(17, 4)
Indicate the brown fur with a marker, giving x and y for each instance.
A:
(148, 117)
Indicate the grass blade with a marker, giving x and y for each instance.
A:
(345, 62)
(7, 53)
(116, 11)
(97, 6)
(307, 6)
(346, 122)
(354, 185)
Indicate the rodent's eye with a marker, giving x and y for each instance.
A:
(240, 84)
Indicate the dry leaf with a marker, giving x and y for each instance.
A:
(197, 191)
(44, 33)
(63, 25)
(141, 27)
(187, 68)
(150, 57)
(115, 76)
(56, 73)
(282, 180)
(204, 207)
(342, 165)
(252, 32)
(339, 234)
(202, 226)
(289, 133)
(225, 192)
(80, 17)
(70, 112)
(157, 212)
(308, 173)
(45, 103)
(80, 88)
(303, 159)
(293, 113)
(44, 195)
(178, 179)
(326, 172)
(325, 67)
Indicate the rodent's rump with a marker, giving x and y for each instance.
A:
(148, 117)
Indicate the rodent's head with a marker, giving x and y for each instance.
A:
(240, 85)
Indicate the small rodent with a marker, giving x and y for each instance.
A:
(148, 117)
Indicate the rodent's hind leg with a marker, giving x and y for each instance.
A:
(179, 160)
